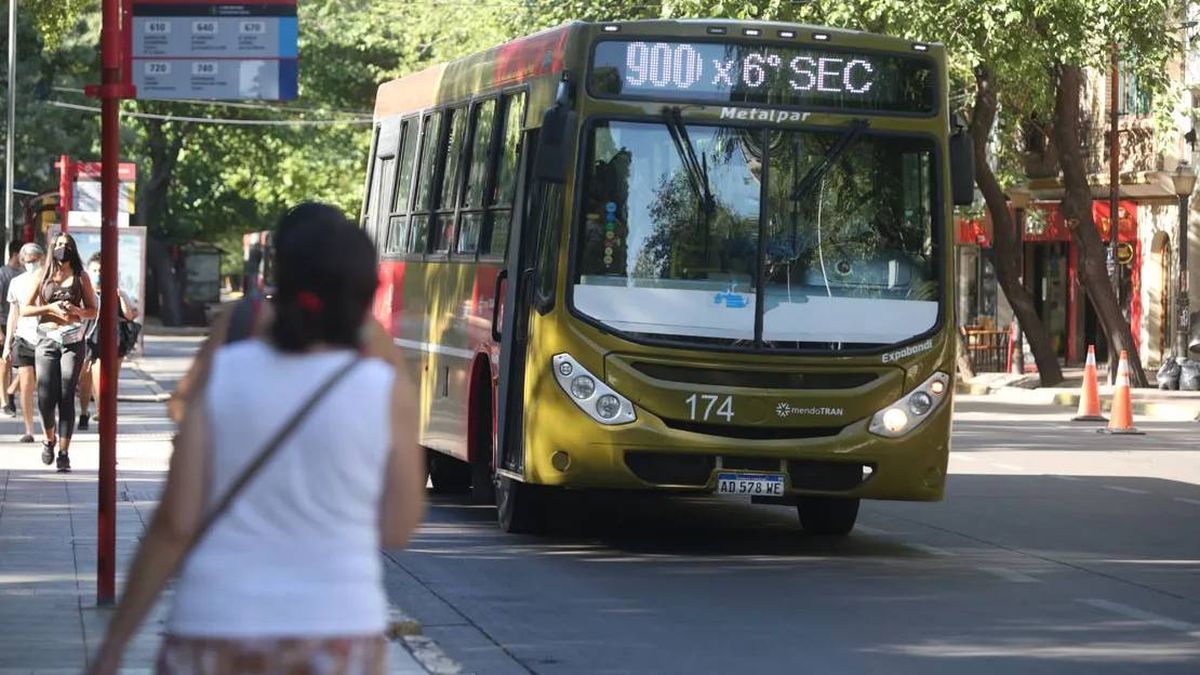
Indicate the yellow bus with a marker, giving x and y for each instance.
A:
(695, 256)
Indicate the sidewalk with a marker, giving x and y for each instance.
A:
(1150, 403)
(49, 621)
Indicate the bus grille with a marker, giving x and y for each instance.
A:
(694, 470)
(666, 468)
(756, 433)
(827, 476)
(755, 379)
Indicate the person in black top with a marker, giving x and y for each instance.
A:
(63, 301)
(7, 273)
(89, 382)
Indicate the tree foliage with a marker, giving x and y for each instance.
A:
(226, 178)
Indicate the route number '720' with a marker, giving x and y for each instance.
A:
(706, 406)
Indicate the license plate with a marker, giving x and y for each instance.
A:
(750, 484)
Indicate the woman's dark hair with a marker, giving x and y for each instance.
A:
(325, 273)
(73, 258)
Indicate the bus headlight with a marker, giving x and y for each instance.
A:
(914, 408)
(582, 387)
(600, 401)
(608, 406)
(894, 420)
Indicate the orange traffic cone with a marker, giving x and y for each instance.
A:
(1089, 392)
(1122, 406)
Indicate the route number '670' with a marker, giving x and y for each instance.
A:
(704, 407)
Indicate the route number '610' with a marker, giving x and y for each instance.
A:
(704, 407)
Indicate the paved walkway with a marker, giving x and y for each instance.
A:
(49, 621)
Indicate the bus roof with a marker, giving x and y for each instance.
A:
(507, 64)
(544, 53)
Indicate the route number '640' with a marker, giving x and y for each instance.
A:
(706, 406)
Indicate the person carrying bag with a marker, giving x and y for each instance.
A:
(278, 548)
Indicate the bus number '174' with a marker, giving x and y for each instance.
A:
(706, 406)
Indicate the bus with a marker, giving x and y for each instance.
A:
(703, 256)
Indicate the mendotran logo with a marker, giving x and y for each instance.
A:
(762, 115)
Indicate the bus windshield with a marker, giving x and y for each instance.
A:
(675, 221)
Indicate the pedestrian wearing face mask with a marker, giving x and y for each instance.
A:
(62, 301)
(22, 335)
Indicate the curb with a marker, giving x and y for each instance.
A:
(431, 657)
(1161, 410)
(404, 632)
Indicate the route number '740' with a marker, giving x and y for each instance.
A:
(706, 406)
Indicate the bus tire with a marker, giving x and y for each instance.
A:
(828, 515)
(483, 485)
(519, 507)
(448, 475)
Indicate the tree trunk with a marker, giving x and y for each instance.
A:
(1077, 212)
(164, 140)
(1006, 241)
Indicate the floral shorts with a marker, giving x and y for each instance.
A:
(361, 655)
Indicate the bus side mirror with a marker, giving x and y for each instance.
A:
(554, 144)
(962, 167)
(554, 140)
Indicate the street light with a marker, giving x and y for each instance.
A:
(1184, 179)
(1020, 196)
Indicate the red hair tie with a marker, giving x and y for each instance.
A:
(309, 302)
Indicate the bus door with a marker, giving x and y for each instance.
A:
(533, 254)
(512, 330)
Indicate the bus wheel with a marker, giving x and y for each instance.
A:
(448, 475)
(519, 507)
(483, 489)
(828, 515)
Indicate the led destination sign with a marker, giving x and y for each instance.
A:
(742, 73)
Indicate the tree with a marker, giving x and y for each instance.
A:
(43, 131)
(1006, 242)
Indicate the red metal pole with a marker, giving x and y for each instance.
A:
(66, 180)
(112, 57)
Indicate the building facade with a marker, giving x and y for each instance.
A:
(1147, 222)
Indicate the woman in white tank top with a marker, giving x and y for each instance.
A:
(289, 577)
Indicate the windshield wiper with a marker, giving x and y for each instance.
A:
(816, 173)
(696, 168)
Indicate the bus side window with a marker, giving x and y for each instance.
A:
(476, 164)
(398, 227)
(383, 175)
(443, 234)
(419, 223)
(501, 199)
(371, 199)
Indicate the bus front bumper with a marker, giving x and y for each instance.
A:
(566, 448)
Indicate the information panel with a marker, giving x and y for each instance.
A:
(725, 73)
(85, 196)
(201, 49)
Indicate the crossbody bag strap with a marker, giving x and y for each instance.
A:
(269, 451)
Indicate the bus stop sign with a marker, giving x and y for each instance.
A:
(214, 50)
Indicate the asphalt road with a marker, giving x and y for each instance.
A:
(1057, 550)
